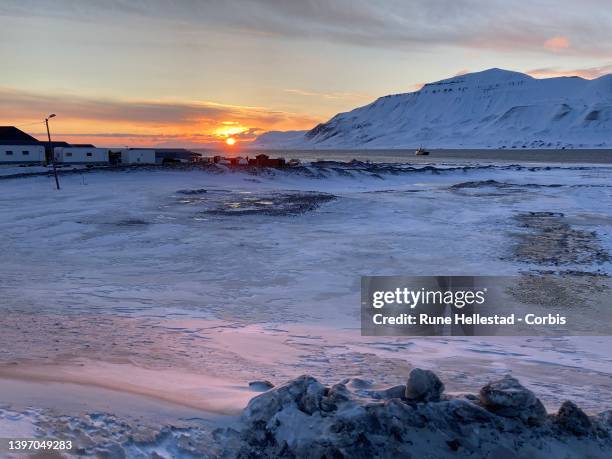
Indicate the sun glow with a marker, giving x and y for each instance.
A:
(229, 128)
(230, 141)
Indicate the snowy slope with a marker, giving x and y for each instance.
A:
(490, 109)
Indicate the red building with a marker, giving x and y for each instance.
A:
(262, 160)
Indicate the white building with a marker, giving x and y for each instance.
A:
(17, 147)
(137, 156)
(29, 154)
(81, 155)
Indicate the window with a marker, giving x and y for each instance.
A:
(89, 154)
(25, 152)
(68, 154)
(9, 153)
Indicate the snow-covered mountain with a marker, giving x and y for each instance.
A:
(490, 109)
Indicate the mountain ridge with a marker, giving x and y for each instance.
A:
(493, 108)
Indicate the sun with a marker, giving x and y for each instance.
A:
(230, 141)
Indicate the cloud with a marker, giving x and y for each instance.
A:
(141, 121)
(589, 72)
(23, 103)
(396, 24)
(557, 43)
(333, 95)
(187, 140)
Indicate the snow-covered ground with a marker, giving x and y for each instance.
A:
(9, 169)
(183, 286)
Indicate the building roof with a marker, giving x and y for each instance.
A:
(175, 153)
(58, 143)
(10, 135)
(173, 150)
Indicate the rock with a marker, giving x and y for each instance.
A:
(398, 391)
(605, 418)
(423, 386)
(467, 411)
(507, 397)
(260, 386)
(454, 444)
(305, 419)
(357, 383)
(305, 392)
(336, 395)
(390, 416)
(573, 419)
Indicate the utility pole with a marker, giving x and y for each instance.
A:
(51, 150)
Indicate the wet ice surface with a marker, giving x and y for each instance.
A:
(256, 276)
(275, 203)
(284, 246)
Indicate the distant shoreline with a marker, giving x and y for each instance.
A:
(589, 156)
(540, 157)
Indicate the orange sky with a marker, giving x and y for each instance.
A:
(113, 122)
(161, 73)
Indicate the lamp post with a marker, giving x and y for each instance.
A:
(52, 115)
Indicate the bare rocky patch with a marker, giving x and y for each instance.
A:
(569, 258)
(264, 203)
(560, 290)
(549, 240)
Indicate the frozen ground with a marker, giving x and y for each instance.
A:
(183, 286)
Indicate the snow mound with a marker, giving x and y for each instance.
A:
(304, 418)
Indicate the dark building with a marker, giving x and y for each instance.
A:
(17, 147)
(175, 155)
(58, 143)
(50, 148)
(10, 135)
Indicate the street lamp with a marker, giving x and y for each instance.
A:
(52, 115)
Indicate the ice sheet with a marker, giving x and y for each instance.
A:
(156, 269)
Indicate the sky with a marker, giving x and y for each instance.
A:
(193, 73)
